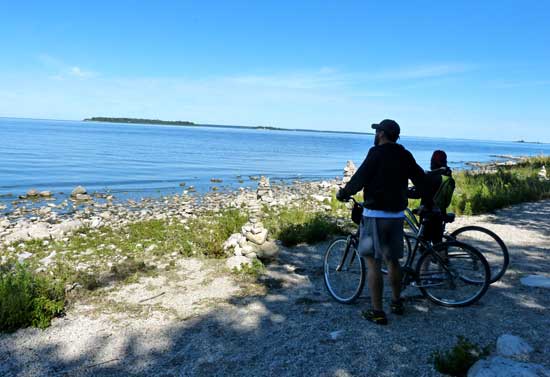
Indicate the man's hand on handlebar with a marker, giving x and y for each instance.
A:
(342, 196)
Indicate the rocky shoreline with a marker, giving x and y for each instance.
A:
(38, 215)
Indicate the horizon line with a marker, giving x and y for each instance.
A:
(276, 129)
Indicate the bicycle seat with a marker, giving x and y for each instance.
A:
(449, 217)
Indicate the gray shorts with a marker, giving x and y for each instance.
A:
(381, 238)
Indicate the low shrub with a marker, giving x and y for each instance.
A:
(28, 299)
(255, 270)
(458, 360)
(294, 226)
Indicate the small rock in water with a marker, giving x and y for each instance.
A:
(216, 180)
(79, 190)
(537, 281)
(46, 194)
(82, 197)
(32, 193)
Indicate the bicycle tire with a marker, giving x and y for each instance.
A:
(460, 267)
(346, 285)
(495, 252)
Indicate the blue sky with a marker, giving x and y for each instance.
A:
(468, 69)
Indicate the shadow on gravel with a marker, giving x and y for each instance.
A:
(530, 216)
(296, 329)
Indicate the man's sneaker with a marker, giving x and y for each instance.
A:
(397, 307)
(376, 316)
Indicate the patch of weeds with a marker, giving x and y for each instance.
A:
(255, 270)
(316, 229)
(458, 360)
(130, 269)
(87, 280)
(28, 299)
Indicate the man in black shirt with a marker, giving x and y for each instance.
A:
(384, 177)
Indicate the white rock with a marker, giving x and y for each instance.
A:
(232, 241)
(320, 198)
(268, 251)
(258, 239)
(499, 366)
(335, 335)
(49, 259)
(33, 193)
(247, 249)
(21, 257)
(510, 345)
(537, 281)
(150, 248)
(237, 262)
(46, 194)
(68, 226)
(96, 222)
(242, 241)
(45, 210)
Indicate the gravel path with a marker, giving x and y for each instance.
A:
(200, 321)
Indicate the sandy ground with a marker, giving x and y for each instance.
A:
(198, 320)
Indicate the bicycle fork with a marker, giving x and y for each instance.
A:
(345, 254)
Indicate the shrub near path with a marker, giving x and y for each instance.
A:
(197, 319)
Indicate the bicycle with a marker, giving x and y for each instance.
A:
(487, 242)
(450, 273)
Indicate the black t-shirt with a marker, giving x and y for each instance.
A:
(384, 177)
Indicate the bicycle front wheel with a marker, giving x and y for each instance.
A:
(344, 270)
(489, 244)
(453, 274)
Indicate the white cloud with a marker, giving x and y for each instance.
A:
(79, 72)
(423, 71)
(61, 70)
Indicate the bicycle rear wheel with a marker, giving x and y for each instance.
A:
(489, 244)
(344, 270)
(453, 274)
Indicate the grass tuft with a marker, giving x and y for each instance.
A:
(458, 360)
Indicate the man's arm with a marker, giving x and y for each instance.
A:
(360, 179)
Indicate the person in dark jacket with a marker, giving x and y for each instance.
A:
(384, 177)
(434, 179)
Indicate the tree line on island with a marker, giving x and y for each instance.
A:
(191, 124)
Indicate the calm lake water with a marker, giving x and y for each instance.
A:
(149, 160)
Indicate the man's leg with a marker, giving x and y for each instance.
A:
(375, 282)
(394, 272)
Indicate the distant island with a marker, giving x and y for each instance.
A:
(140, 121)
(528, 142)
(191, 124)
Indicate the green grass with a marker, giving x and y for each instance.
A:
(296, 225)
(482, 193)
